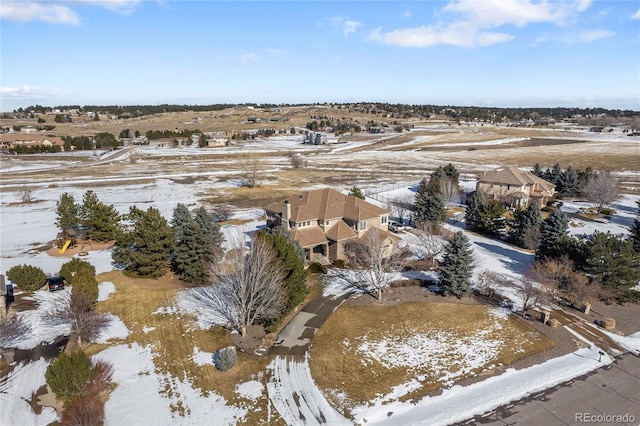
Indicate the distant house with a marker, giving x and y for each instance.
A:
(514, 187)
(324, 220)
(217, 138)
(10, 140)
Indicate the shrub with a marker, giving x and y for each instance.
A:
(71, 269)
(27, 277)
(547, 209)
(607, 212)
(227, 358)
(67, 374)
(338, 263)
(85, 410)
(406, 283)
(317, 268)
(85, 282)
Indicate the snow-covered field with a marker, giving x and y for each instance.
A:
(139, 397)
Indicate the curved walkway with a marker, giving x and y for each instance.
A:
(291, 388)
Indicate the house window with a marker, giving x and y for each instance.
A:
(362, 225)
(293, 225)
(384, 219)
(327, 222)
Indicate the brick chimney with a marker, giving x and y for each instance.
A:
(286, 214)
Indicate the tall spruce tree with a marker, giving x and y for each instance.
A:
(100, 220)
(537, 171)
(457, 266)
(472, 213)
(635, 230)
(524, 221)
(613, 261)
(198, 245)
(552, 231)
(292, 259)
(144, 249)
(67, 212)
(430, 209)
(567, 182)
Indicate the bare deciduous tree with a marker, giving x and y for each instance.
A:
(532, 293)
(374, 259)
(532, 237)
(401, 207)
(601, 188)
(26, 194)
(252, 171)
(487, 283)
(573, 285)
(431, 241)
(249, 288)
(76, 309)
(449, 190)
(298, 160)
(222, 212)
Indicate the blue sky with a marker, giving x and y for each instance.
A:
(580, 53)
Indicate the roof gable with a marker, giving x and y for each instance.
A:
(514, 176)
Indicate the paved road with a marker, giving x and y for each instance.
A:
(612, 391)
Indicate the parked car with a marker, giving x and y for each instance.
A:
(55, 283)
(396, 227)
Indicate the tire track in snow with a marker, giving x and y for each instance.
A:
(295, 395)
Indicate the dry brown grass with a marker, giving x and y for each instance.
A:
(339, 367)
(173, 339)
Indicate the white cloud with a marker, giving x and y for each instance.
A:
(31, 11)
(346, 26)
(59, 12)
(247, 58)
(460, 34)
(472, 23)
(27, 92)
(593, 35)
(492, 13)
(406, 14)
(636, 15)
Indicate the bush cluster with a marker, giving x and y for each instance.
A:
(27, 277)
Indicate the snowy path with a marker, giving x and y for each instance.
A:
(296, 397)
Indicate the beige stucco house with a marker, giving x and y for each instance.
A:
(10, 140)
(514, 187)
(324, 220)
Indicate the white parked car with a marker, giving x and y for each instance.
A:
(396, 227)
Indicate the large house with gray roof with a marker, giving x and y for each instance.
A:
(515, 188)
(324, 220)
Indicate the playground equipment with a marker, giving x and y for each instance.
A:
(65, 246)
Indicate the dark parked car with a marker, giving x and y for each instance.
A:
(55, 283)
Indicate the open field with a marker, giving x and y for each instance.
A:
(398, 352)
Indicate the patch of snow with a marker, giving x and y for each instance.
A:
(202, 358)
(17, 389)
(135, 375)
(41, 328)
(463, 402)
(115, 330)
(104, 290)
(146, 330)
(252, 389)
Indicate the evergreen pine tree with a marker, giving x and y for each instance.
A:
(492, 218)
(472, 213)
(537, 171)
(456, 268)
(555, 173)
(423, 186)
(635, 230)
(430, 209)
(356, 192)
(100, 220)
(613, 261)
(144, 250)
(66, 212)
(552, 230)
(523, 221)
(292, 258)
(567, 182)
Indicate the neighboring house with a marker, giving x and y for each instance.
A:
(514, 187)
(324, 220)
(10, 140)
(217, 138)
